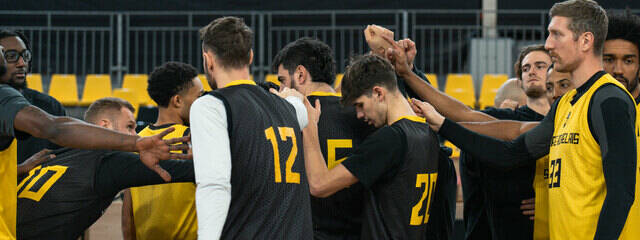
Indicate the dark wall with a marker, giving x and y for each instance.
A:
(144, 5)
(546, 4)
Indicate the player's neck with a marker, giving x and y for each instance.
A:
(398, 107)
(539, 105)
(227, 76)
(166, 116)
(589, 67)
(316, 87)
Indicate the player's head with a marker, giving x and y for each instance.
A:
(303, 61)
(174, 86)
(558, 83)
(577, 31)
(511, 90)
(17, 53)
(112, 113)
(369, 83)
(226, 46)
(621, 57)
(531, 67)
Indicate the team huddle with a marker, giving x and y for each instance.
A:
(556, 158)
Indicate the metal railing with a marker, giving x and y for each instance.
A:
(135, 42)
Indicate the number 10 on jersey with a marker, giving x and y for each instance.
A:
(285, 133)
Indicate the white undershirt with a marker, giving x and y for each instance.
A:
(212, 161)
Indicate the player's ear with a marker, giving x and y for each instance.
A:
(176, 101)
(209, 61)
(250, 56)
(105, 123)
(300, 76)
(378, 93)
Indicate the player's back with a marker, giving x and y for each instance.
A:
(398, 207)
(340, 215)
(57, 200)
(269, 189)
(166, 211)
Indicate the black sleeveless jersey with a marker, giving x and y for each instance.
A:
(269, 188)
(58, 199)
(398, 207)
(340, 215)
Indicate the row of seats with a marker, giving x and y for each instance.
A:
(459, 86)
(64, 87)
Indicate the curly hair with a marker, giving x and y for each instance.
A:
(168, 80)
(625, 26)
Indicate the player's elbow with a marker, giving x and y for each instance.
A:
(319, 189)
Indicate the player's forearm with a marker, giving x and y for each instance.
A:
(502, 129)
(443, 103)
(314, 163)
(490, 150)
(212, 206)
(74, 133)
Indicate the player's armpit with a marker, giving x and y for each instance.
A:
(333, 181)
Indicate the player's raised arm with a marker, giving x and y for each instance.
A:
(445, 104)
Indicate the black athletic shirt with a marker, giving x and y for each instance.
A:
(61, 198)
(612, 123)
(32, 145)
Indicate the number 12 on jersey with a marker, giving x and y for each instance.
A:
(429, 182)
(285, 132)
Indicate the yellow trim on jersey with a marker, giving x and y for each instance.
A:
(540, 187)
(411, 118)
(165, 211)
(8, 183)
(240, 82)
(325, 94)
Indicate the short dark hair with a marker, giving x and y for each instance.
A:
(168, 80)
(585, 16)
(625, 26)
(365, 72)
(106, 104)
(313, 54)
(230, 39)
(5, 33)
(517, 67)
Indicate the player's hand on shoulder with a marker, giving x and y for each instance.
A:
(510, 104)
(313, 113)
(427, 111)
(287, 92)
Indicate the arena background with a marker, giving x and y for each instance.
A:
(73, 39)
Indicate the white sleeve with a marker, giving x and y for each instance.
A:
(212, 165)
(301, 110)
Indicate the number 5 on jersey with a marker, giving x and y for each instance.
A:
(285, 132)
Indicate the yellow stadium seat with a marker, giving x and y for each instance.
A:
(456, 150)
(338, 81)
(34, 81)
(272, 78)
(205, 83)
(433, 79)
(460, 86)
(96, 86)
(490, 85)
(138, 84)
(129, 96)
(64, 88)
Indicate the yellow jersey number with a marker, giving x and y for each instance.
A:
(47, 175)
(554, 176)
(285, 132)
(332, 144)
(429, 182)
